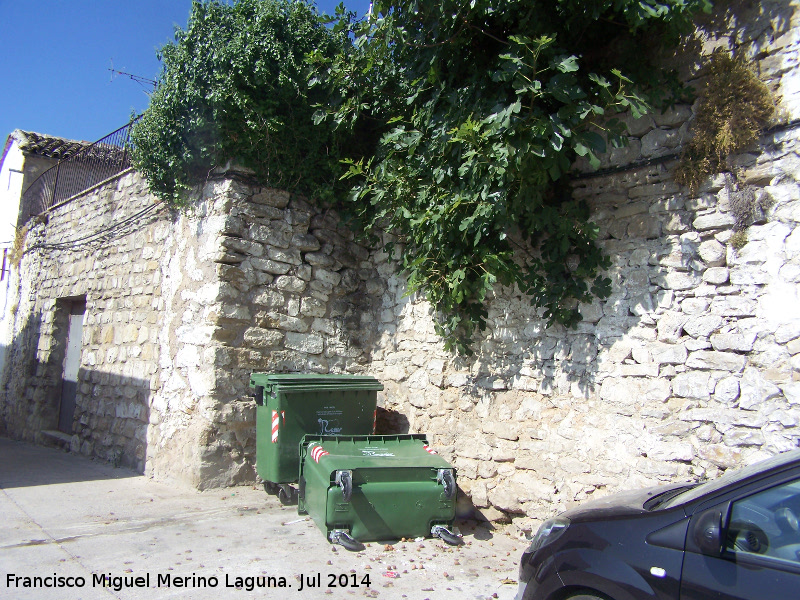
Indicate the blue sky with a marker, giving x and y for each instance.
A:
(56, 56)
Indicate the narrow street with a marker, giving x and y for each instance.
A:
(87, 531)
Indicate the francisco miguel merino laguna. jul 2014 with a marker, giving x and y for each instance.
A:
(248, 583)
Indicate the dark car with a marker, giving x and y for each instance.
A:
(736, 537)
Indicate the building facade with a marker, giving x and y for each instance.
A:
(691, 366)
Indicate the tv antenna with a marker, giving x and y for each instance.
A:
(143, 81)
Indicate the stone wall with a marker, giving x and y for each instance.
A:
(180, 310)
(255, 280)
(102, 248)
(690, 367)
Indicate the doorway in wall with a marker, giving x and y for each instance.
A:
(72, 363)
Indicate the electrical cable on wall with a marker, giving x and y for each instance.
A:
(97, 235)
(794, 124)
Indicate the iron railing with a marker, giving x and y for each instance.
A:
(87, 167)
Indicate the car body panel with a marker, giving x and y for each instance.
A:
(617, 548)
(587, 559)
(619, 505)
(724, 579)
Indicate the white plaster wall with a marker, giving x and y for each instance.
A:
(10, 192)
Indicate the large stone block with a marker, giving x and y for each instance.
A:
(289, 283)
(755, 390)
(753, 253)
(727, 390)
(723, 418)
(634, 390)
(677, 222)
(749, 275)
(276, 320)
(610, 328)
(242, 246)
(637, 127)
(671, 451)
(320, 259)
(713, 253)
(659, 142)
(305, 242)
(716, 361)
(311, 307)
(791, 391)
(660, 189)
(704, 326)
(331, 278)
(744, 437)
(256, 337)
(788, 419)
(290, 255)
(677, 280)
(720, 455)
(716, 275)
(309, 343)
(644, 227)
(507, 497)
(239, 278)
(350, 282)
(694, 306)
(670, 325)
(790, 273)
(691, 385)
(673, 116)
(671, 354)
(277, 233)
(229, 314)
(272, 197)
(583, 349)
(733, 306)
(714, 220)
(738, 342)
(474, 448)
(270, 266)
(270, 298)
(304, 272)
(788, 331)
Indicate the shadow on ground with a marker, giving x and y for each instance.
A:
(21, 466)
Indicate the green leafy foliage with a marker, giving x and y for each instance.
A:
(477, 111)
(452, 125)
(235, 85)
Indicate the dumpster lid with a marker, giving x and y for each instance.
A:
(309, 382)
(371, 451)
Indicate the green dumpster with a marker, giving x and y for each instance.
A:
(376, 487)
(293, 405)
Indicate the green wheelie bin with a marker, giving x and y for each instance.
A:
(361, 488)
(290, 406)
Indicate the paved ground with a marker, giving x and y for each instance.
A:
(64, 517)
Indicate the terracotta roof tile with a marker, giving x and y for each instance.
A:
(47, 145)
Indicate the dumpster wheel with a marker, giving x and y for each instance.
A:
(445, 534)
(445, 477)
(286, 494)
(344, 479)
(343, 538)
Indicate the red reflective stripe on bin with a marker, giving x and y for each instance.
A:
(429, 450)
(374, 420)
(317, 452)
(275, 424)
